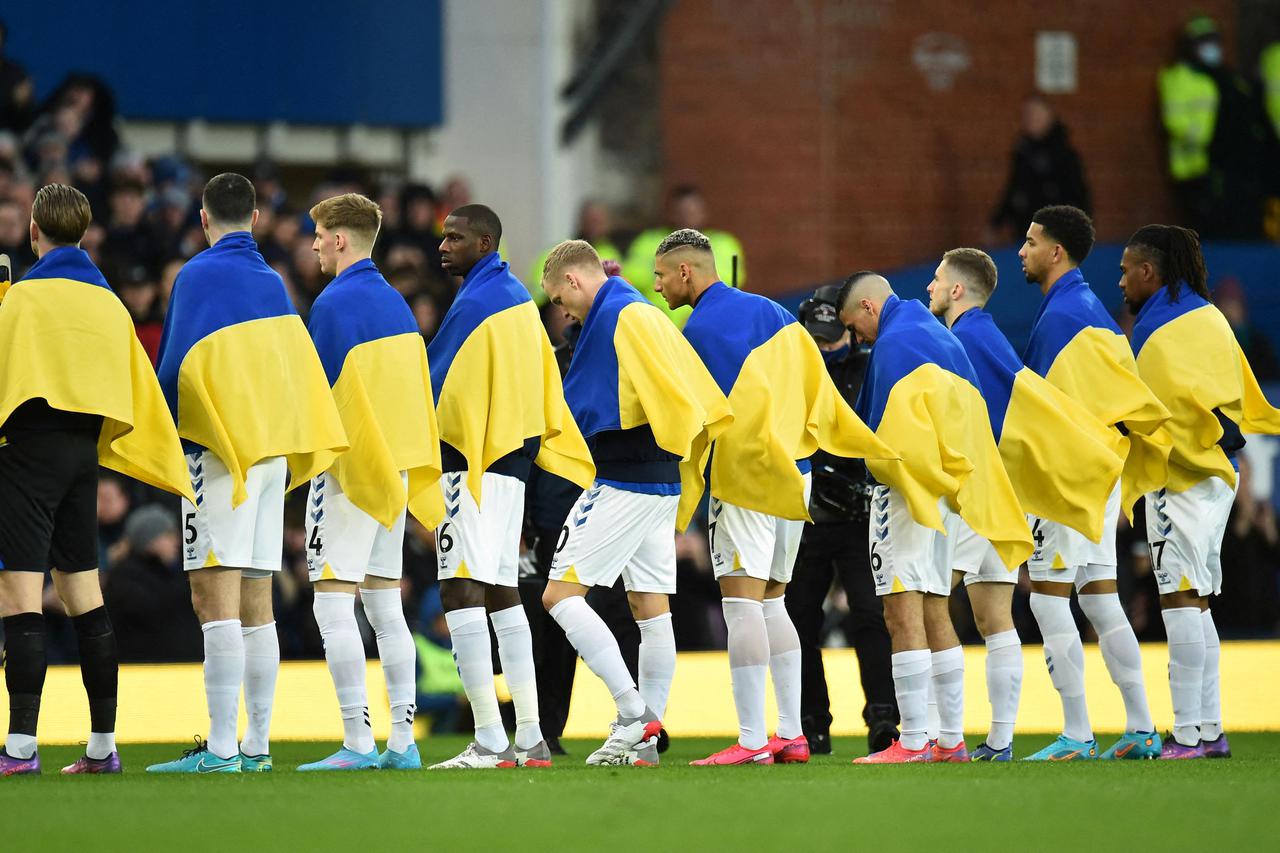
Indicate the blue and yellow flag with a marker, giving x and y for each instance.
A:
(784, 403)
(921, 393)
(376, 362)
(240, 372)
(1078, 347)
(1062, 461)
(1188, 355)
(496, 381)
(632, 367)
(67, 338)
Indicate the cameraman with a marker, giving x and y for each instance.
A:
(835, 546)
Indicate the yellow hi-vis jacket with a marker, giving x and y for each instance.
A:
(1189, 107)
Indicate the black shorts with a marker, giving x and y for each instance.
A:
(49, 501)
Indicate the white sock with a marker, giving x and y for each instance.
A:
(1120, 651)
(473, 652)
(911, 677)
(1064, 655)
(399, 657)
(599, 650)
(948, 684)
(1211, 696)
(1185, 630)
(20, 746)
(748, 666)
(932, 720)
(784, 665)
(223, 675)
(261, 666)
(1004, 685)
(515, 650)
(657, 661)
(101, 744)
(344, 652)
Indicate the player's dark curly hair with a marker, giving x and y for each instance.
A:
(1175, 252)
(1070, 226)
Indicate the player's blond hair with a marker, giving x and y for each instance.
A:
(358, 215)
(570, 253)
(61, 213)
(975, 268)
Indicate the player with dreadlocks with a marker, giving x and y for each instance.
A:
(1188, 355)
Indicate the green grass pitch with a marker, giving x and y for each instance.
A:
(1216, 806)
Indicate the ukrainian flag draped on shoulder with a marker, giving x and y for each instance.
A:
(784, 403)
(1078, 347)
(1188, 355)
(376, 362)
(1062, 461)
(65, 337)
(496, 381)
(240, 372)
(632, 367)
(921, 392)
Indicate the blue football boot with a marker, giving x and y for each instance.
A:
(344, 759)
(986, 753)
(1134, 745)
(407, 760)
(198, 760)
(1065, 749)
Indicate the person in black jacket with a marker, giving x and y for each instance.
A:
(834, 546)
(147, 593)
(1045, 170)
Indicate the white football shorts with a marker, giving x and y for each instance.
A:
(344, 542)
(481, 543)
(1185, 530)
(612, 532)
(746, 543)
(907, 556)
(249, 537)
(977, 558)
(1064, 555)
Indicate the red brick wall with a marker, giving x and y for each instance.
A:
(820, 144)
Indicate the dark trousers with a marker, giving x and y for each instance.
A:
(554, 659)
(829, 552)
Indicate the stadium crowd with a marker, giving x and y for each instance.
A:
(146, 225)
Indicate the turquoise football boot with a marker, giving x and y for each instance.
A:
(255, 763)
(1066, 749)
(407, 760)
(1134, 745)
(344, 759)
(198, 760)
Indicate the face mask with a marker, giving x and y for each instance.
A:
(1210, 53)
